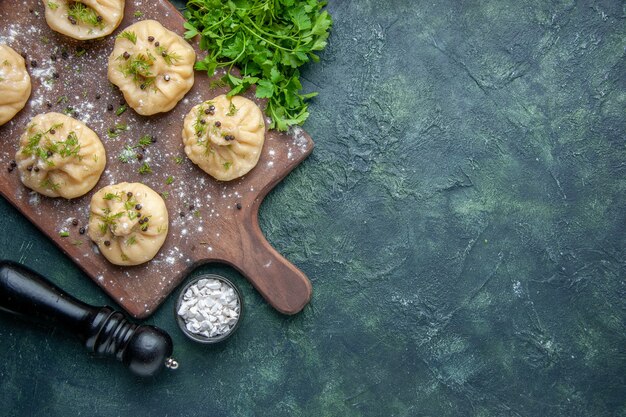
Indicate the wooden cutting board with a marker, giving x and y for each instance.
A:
(205, 223)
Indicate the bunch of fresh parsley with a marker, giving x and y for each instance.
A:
(267, 40)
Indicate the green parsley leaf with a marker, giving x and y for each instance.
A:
(218, 83)
(191, 31)
(127, 154)
(145, 140)
(145, 169)
(232, 109)
(70, 146)
(115, 131)
(265, 89)
(50, 185)
(78, 12)
(131, 36)
(139, 68)
(168, 57)
(112, 196)
(121, 110)
(268, 41)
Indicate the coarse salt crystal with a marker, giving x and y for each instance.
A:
(209, 308)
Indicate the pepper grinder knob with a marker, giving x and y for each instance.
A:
(145, 350)
(148, 351)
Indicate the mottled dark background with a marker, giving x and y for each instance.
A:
(461, 219)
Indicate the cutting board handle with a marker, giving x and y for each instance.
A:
(280, 282)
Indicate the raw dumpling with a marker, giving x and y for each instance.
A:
(60, 156)
(14, 83)
(128, 222)
(152, 66)
(224, 136)
(84, 19)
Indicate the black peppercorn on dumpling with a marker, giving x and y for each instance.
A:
(128, 222)
(224, 136)
(14, 83)
(84, 19)
(152, 66)
(60, 156)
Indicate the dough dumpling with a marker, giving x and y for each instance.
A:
(60, 156)
(128, 222)
(14, 83)
(152, 66)
(84, 19)
(224, 136)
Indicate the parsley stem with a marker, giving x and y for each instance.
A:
(266, 40)
(220, 22)
(266, 33)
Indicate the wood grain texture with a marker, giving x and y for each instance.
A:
(205, 223)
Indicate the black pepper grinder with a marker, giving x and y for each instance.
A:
(145, 350)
